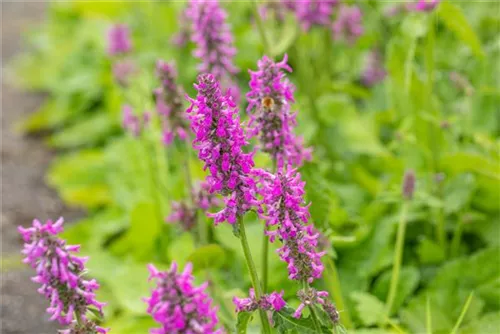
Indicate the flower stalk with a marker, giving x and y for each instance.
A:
(253, 273)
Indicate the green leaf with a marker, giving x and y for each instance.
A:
(208, 256)
(466, 161)
(455, 20)
(242, 322)
(180, 248)
(447, 294)
(90, 131)
(144, 228)
(370, 310)
(285, 323)
(488, 323)
(408, 282)
(430, 252)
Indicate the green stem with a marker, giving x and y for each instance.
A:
(265, 247)
(152, 179)
(398, 256)
(253, 274)
(462, 313)
(314, 317)
(457, 236)
(334, 287)
(262, 31)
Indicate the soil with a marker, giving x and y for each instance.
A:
(24, 194)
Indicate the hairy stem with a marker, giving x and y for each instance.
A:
(253, 274)
(398, 256)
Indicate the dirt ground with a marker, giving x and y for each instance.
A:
(24, 194)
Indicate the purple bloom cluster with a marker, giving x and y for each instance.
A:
(423, 5)
(311, 296)
(374, 71)
(133, 123)
(219, 141)
(169, 103)
(314, 12)
(119, 40)
(283, 196)
(212, 35)
(348, 25)
(272, 301)
(185, 215)
(60, 273)
(270, 97)
(178, 305)
(122, 70)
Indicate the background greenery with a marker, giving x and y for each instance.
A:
(363, 139)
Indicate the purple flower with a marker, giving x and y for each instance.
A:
(214, 40)
(312, 297)
(182, 214)
(119, 40)
(270, 97)
(314, 12)
(169, 103)
(179, 306)
(219, 141)
(185, 215)
(133, 123)
(423, 5)
(374, 71)
(287, 218)
(272, 301)
(61, 274)
(122, 70)
(348, 24)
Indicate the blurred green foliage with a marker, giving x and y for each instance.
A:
(363, 140)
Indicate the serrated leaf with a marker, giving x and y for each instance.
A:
(285, 323)
(242, 322)
(209, 256)
(369, 308)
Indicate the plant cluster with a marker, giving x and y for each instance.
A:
(346, 182)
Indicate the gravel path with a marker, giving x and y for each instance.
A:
(24, 194)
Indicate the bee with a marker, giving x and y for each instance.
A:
(268, 103)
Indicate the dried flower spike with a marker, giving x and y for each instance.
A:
(61, 274)
(219, 139)
(169, 103)
(408, 184)
(179, 306)
(269, 100)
